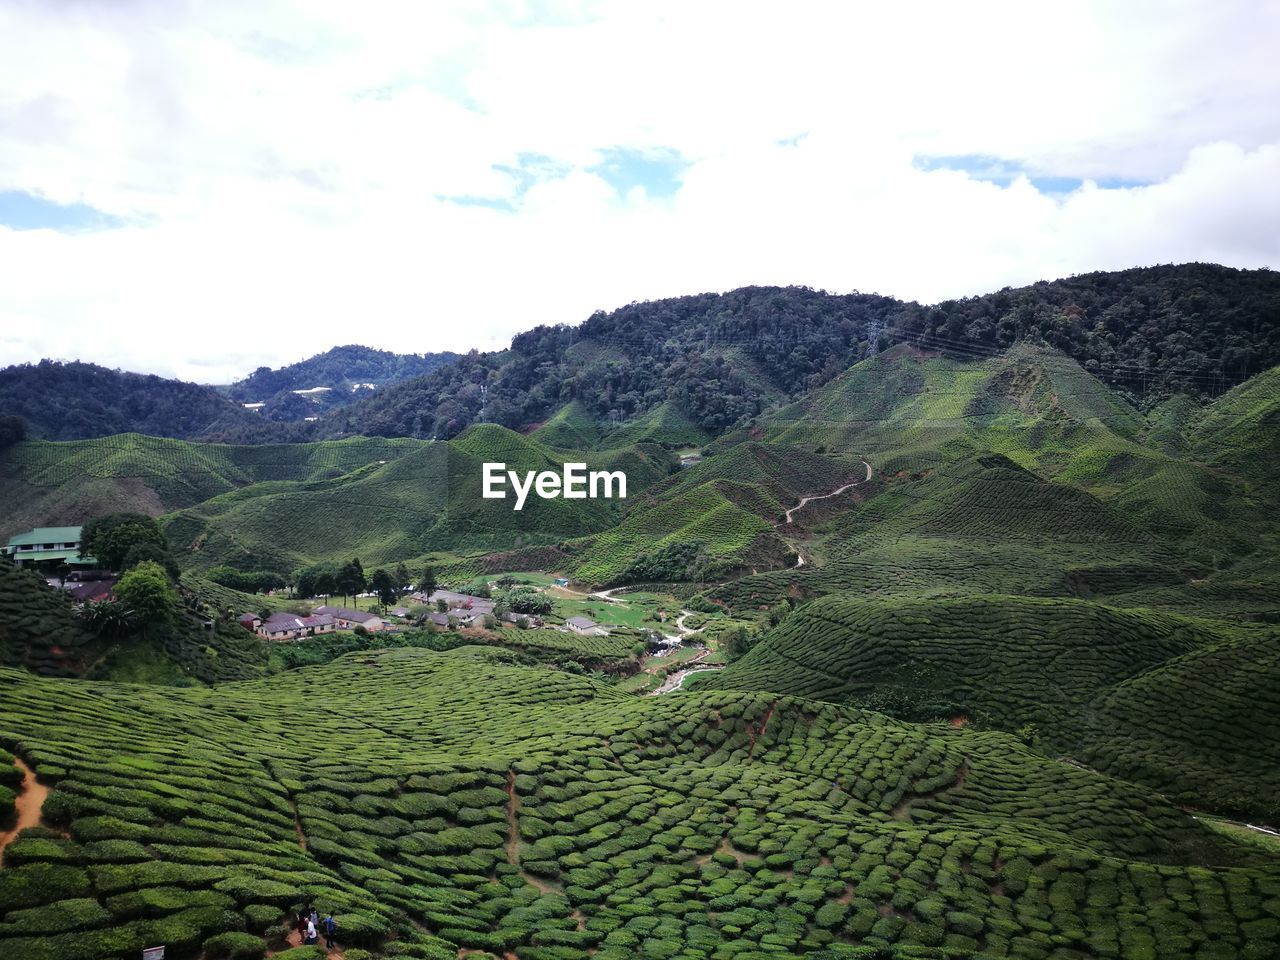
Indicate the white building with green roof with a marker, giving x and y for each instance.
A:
(51, 545)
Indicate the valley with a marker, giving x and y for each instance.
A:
(959, 650)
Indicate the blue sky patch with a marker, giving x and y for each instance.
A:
(25, 211)
(1003, 172)
(657, 171)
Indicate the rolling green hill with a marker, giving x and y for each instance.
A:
(69, 482)
(664, 424)
(711, 519)
(425, 500)
(572, 428)
(1104, 684)
(453, 801)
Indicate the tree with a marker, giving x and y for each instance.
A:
(319, 579)
(427, 584)
(401, 575)
(109, 538)
(382, 584)
(13, 429)
(150, 551)
(525, 600)
(737, 643)
(110, 619)
(351, 581)
(146, 591)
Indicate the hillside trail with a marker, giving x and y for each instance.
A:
(826, 496)
(608, 595)
(294, 939)
(28, 803)
(805, 501)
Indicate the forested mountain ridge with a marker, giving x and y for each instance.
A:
(715, 359)
(341, 374)
(74, 400)
(1197, 329)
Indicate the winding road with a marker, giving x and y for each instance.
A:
(790, 515)
(827, 496)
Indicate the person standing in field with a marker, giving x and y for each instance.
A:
(330, 928)
(311, 933)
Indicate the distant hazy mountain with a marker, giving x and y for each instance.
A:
(330, 379)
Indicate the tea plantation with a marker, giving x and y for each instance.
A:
(1189, 706)
(449, 802)
(992, 700)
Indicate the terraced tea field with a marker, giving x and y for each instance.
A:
(1188, 706)
(449, 803)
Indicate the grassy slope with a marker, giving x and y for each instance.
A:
(727, 506)
(38, 629)
(571, 428)
(427, 500)
(1097, 681)
(664, 424)
(43, 482)
(452, 800)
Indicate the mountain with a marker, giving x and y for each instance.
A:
(682, 370)
(331, 379)
(73, 401)
(719, 359)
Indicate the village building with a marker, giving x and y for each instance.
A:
(457, 601)
(348, 618)
(586, 626)
(289, 626)
(48, 548)
(90, 591)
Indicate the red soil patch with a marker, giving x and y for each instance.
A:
(959, 720)
(28, 804)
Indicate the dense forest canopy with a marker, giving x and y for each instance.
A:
(717, 359)
(348, 372)
(1196, 328)
(74, 400)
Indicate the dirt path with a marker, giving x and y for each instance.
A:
(608, 595)
(28, 802)
(1246, 826)
(294, 939)
(805, 501)
(681, 628)
(514, 841)
(827, 496)
(297, 824)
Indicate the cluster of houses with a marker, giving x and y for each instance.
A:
(460, 610)
(465, 610)
(323, 619)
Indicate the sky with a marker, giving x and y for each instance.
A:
(198, 189)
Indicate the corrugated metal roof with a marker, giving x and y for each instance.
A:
(46, 535)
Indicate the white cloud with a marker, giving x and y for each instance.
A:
(283, 169)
